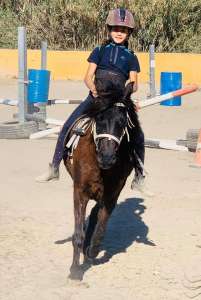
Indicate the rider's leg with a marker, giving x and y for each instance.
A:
(139, 148)
(59, 150)
(53, 171)
(138, 151)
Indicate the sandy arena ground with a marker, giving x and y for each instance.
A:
(154, 243)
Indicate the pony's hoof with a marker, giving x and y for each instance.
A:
(76, 273)
(92, 252)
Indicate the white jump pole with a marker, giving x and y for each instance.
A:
(142, 103)
(44, 133)
(165, 144)
(158, 99)
(9, 102)
(37, 118)
(63, 101)
(50, 102)
(54, 122)
(139, 104)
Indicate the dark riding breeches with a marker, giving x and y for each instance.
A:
(60, 147)
(137, 144)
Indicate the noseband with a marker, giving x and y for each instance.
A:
(110, 136)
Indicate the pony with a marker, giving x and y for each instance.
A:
(100, 167)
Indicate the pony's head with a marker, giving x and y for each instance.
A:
(109, 131)
(110, 125)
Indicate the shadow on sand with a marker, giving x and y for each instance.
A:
(124, 228)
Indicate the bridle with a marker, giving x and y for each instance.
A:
(110, 136)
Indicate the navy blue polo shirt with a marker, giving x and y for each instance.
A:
(116, 58)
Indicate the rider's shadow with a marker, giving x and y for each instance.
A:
(125, 227)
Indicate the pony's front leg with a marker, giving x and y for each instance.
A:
(80, 203)
(97, 237)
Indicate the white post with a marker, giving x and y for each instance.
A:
(22, 74)
(44, 55)
(152, 71)
(42, 106)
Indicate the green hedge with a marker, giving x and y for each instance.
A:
(174, 26)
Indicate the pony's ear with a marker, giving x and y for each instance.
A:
(128, 90)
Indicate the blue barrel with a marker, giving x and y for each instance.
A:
(38, 87)
(171, 81)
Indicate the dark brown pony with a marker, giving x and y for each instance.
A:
(100, 167)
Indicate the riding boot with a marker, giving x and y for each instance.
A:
(51, 174)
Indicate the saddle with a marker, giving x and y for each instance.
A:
(78, 129)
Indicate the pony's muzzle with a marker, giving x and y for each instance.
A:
(107, 161)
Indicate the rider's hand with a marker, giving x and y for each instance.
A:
(94, 93)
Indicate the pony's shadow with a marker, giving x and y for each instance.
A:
(125, 227)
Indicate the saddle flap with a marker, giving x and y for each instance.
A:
(77, 130)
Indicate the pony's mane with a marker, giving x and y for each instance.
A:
(107, 98)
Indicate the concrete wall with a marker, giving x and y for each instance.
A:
(73, 64)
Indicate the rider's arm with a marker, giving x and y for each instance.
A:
(133, 77)
(134, 68)
(88, 79)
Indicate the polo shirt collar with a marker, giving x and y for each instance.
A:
(116, 44)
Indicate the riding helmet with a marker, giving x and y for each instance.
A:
(120, 17)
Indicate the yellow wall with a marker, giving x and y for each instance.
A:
(73, 64)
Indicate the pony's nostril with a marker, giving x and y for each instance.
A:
(114, 159)
(109, 160)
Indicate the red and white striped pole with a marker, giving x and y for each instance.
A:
(139, 105)
(158, 99)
